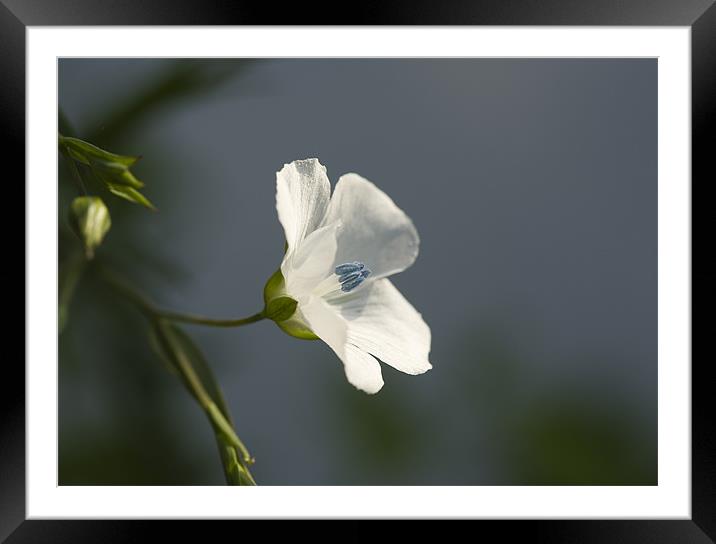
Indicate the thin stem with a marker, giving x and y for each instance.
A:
(201, 320)
(149, 308)
(236, 472)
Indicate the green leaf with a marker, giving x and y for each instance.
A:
(68, 277)
(234, 471)
(130, 194)
(160, 351)
(90, 220)
(225, 431)
(114, 173)
(189, 363)
(202, 369)
(111, 169)
(281, 308)
(86, 152)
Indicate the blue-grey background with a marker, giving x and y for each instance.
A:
(533, 185)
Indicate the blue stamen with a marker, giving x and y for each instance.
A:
(350, 285)
(349, 268)
(351, 275)
(348, 277)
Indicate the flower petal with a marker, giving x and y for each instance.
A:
(311, 263)
(375, 231)
(382, 322)
(362, 370)
(302, 195)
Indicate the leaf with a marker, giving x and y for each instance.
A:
(130, 194)
(160, 351)
(68, 277)
(189, 363)
(114, 173)
(90, 220)
(111, 169)
(86, 152)
(234, 471)
(203, 370)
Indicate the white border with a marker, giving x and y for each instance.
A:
(670, 499)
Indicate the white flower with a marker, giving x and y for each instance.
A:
(340, 251)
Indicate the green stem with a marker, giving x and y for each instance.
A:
(149, 308)
(70, 271)
(201, 320)
(193, 382)
(237, 472)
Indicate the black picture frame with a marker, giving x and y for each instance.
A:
(16, 15)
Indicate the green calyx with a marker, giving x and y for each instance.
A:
(281, 309)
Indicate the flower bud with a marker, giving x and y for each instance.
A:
(89, 219)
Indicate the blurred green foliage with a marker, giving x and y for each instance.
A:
(180, 81)
(137, 442)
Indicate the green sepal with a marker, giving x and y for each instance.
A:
(281, 308)
(275, 298)
(275, 287)
(90, 221)
(296, 329)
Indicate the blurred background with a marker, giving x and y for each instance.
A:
(533, 185)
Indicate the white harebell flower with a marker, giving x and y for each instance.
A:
(333, 282)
